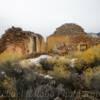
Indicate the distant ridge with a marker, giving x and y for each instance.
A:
(98, 34)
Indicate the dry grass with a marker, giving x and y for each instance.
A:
(10, 56)
(89, 55)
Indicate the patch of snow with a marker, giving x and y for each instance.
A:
(38, 59)
(32, 61)
(48, 76)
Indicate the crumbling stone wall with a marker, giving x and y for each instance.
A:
(67, 37)
(70, 35)
(24, 42)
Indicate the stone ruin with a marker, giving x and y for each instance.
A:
(67, 38)
(15, 40)
(72, 37)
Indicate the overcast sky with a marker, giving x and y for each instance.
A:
(43, 16)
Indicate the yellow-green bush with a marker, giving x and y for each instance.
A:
(10, 56)
(88, 74)
(60, 67)
(89, 55)
(61, 71)
(56, 66)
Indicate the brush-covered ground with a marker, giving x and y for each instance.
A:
(68, 77)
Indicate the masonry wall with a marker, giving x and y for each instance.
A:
(54, 40)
